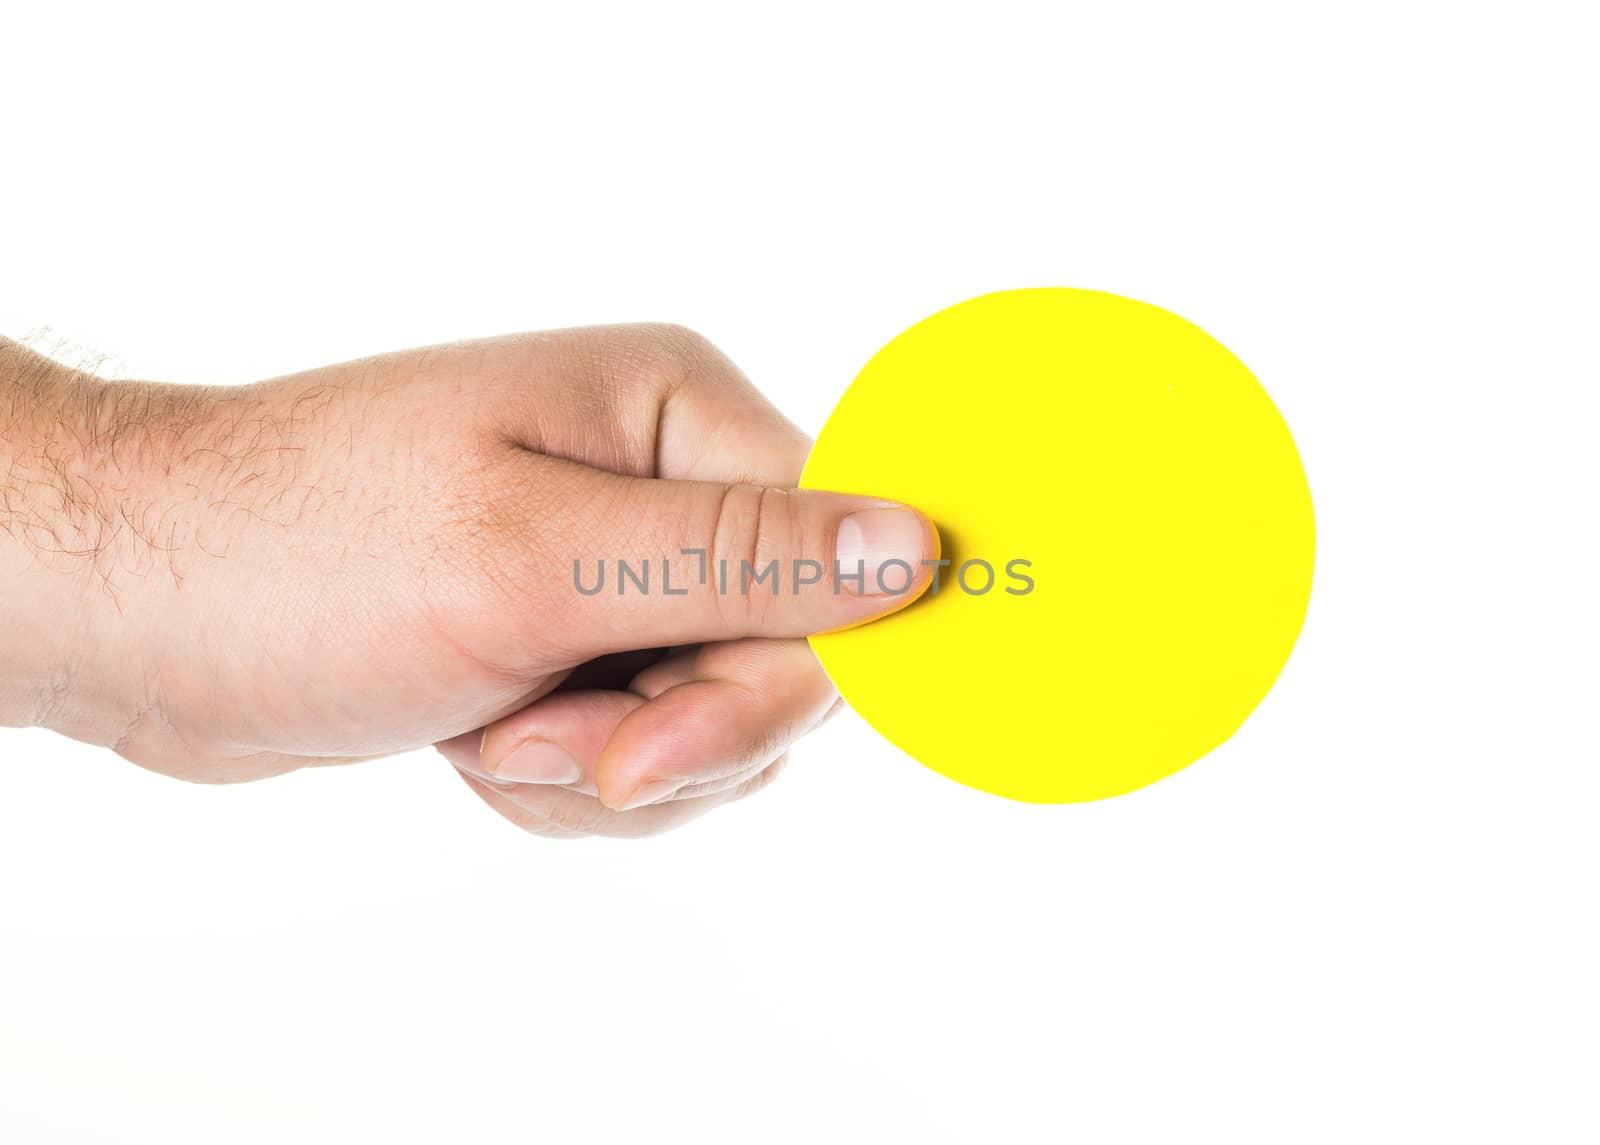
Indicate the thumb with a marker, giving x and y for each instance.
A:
(646, 563)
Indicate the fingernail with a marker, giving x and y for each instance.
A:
(650, 791)
(885, 546)
(538, 761)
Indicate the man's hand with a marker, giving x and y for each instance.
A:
(230, 583)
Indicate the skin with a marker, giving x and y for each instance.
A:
(230, 583)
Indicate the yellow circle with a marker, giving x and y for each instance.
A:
(1153, 490)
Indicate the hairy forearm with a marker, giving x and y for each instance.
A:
(46, 536)
(137, 518)
(74, 490)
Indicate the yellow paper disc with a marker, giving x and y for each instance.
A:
(1155, 495)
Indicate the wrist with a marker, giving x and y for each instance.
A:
(64, 653)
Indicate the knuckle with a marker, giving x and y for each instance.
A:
(641, 371)
(657, 358)
(679, 343)
(734, 537)
(754, 528)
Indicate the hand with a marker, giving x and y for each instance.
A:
(231, 583)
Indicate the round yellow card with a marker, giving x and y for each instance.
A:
(1128, 533)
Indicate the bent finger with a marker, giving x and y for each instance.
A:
(741, 706)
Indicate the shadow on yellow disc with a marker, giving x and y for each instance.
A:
(1146, 519)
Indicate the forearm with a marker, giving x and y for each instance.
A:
(140, 521)
(56, 536)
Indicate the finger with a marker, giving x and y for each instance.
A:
(554, 741)
(462, 752)
(577, 816)
(558, 740)
(738, 780)
(715, 715)
(649, 400)
(743, 707)
(528, 819)
(616, 562)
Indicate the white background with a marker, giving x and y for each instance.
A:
(1370, 916)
